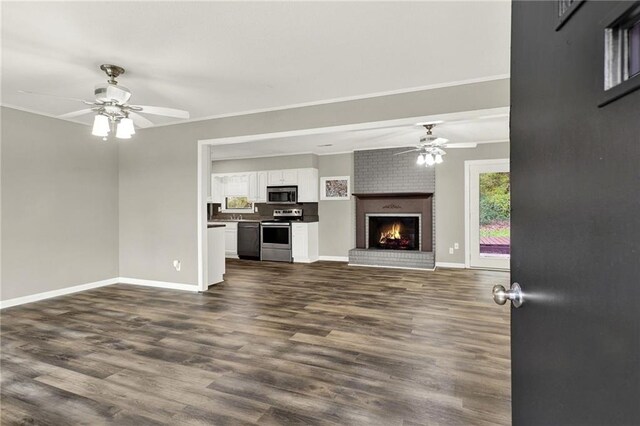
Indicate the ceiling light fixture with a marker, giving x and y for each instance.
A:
(430, 151)
(101, 126)
(112, 111)
(125, 129)
(429, 161)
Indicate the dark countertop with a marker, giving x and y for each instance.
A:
(308, 219)
(235, 220)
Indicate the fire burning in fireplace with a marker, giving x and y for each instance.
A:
(394, 232)
(391, 233)
(393, 237)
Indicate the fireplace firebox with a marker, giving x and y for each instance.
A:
(387, 232)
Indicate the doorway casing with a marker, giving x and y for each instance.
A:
(467, 203)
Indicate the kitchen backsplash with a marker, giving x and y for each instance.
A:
(265, 211)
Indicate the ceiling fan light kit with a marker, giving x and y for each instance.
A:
(430, 150)
(123, 130)
(113, 113)
(101, 126)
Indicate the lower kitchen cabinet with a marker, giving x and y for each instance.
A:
(230, 238)
(304, 242)
(216, 255)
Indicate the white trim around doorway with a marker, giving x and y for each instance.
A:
(467, 206)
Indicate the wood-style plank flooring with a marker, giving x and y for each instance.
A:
(274, 344)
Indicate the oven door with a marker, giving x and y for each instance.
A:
(276, 236)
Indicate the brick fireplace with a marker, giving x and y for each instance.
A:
(394, 211)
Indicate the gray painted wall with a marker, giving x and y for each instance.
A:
(59, 205)
(300, 161)
(337, 227)
(450, 197)
(158, 168)
(158, 190)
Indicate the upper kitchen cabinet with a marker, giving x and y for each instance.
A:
(282, 177)
(261, 183)
(253, 185)
(237, 185)
(308, 185)
(217, 189)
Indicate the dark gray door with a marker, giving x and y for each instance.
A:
(575, 187)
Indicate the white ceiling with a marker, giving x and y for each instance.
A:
(488, 126)
(219, 58)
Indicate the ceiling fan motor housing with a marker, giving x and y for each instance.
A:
(111, 93)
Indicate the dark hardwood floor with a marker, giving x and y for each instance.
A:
(274, 344)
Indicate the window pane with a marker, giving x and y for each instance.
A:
(634, 49)
(495, 214)
(238, 203)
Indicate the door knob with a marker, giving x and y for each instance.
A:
(501, 295)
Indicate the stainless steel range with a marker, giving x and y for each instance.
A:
(275, 236)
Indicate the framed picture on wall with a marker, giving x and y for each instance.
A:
(335, 188)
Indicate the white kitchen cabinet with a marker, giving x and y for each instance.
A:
(261, 179)
(308, 185)
(216, 255)
(236, 185)
(283, 177)
(253, 186)
(230, 238)
(217, 189)
(290, 177)
(304, 242)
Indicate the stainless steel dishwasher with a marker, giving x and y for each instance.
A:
(249, 240)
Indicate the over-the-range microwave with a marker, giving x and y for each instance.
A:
(282, 194)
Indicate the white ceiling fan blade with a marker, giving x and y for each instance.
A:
(76, 113)
(404, 152)
(167, 112)
(27, 92)
(140, 120)
(460, 145)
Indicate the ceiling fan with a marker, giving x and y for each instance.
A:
(112, 112)
(431, 147)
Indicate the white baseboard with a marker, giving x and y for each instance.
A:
(82, 287)
(450, 265)
(55, 293)
(393, 267)
(335, 258)
(158, 284)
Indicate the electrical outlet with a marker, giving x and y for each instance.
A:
(456, 246)
(450, 250)
(219, 208)
(177, 265)
(255, 209)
